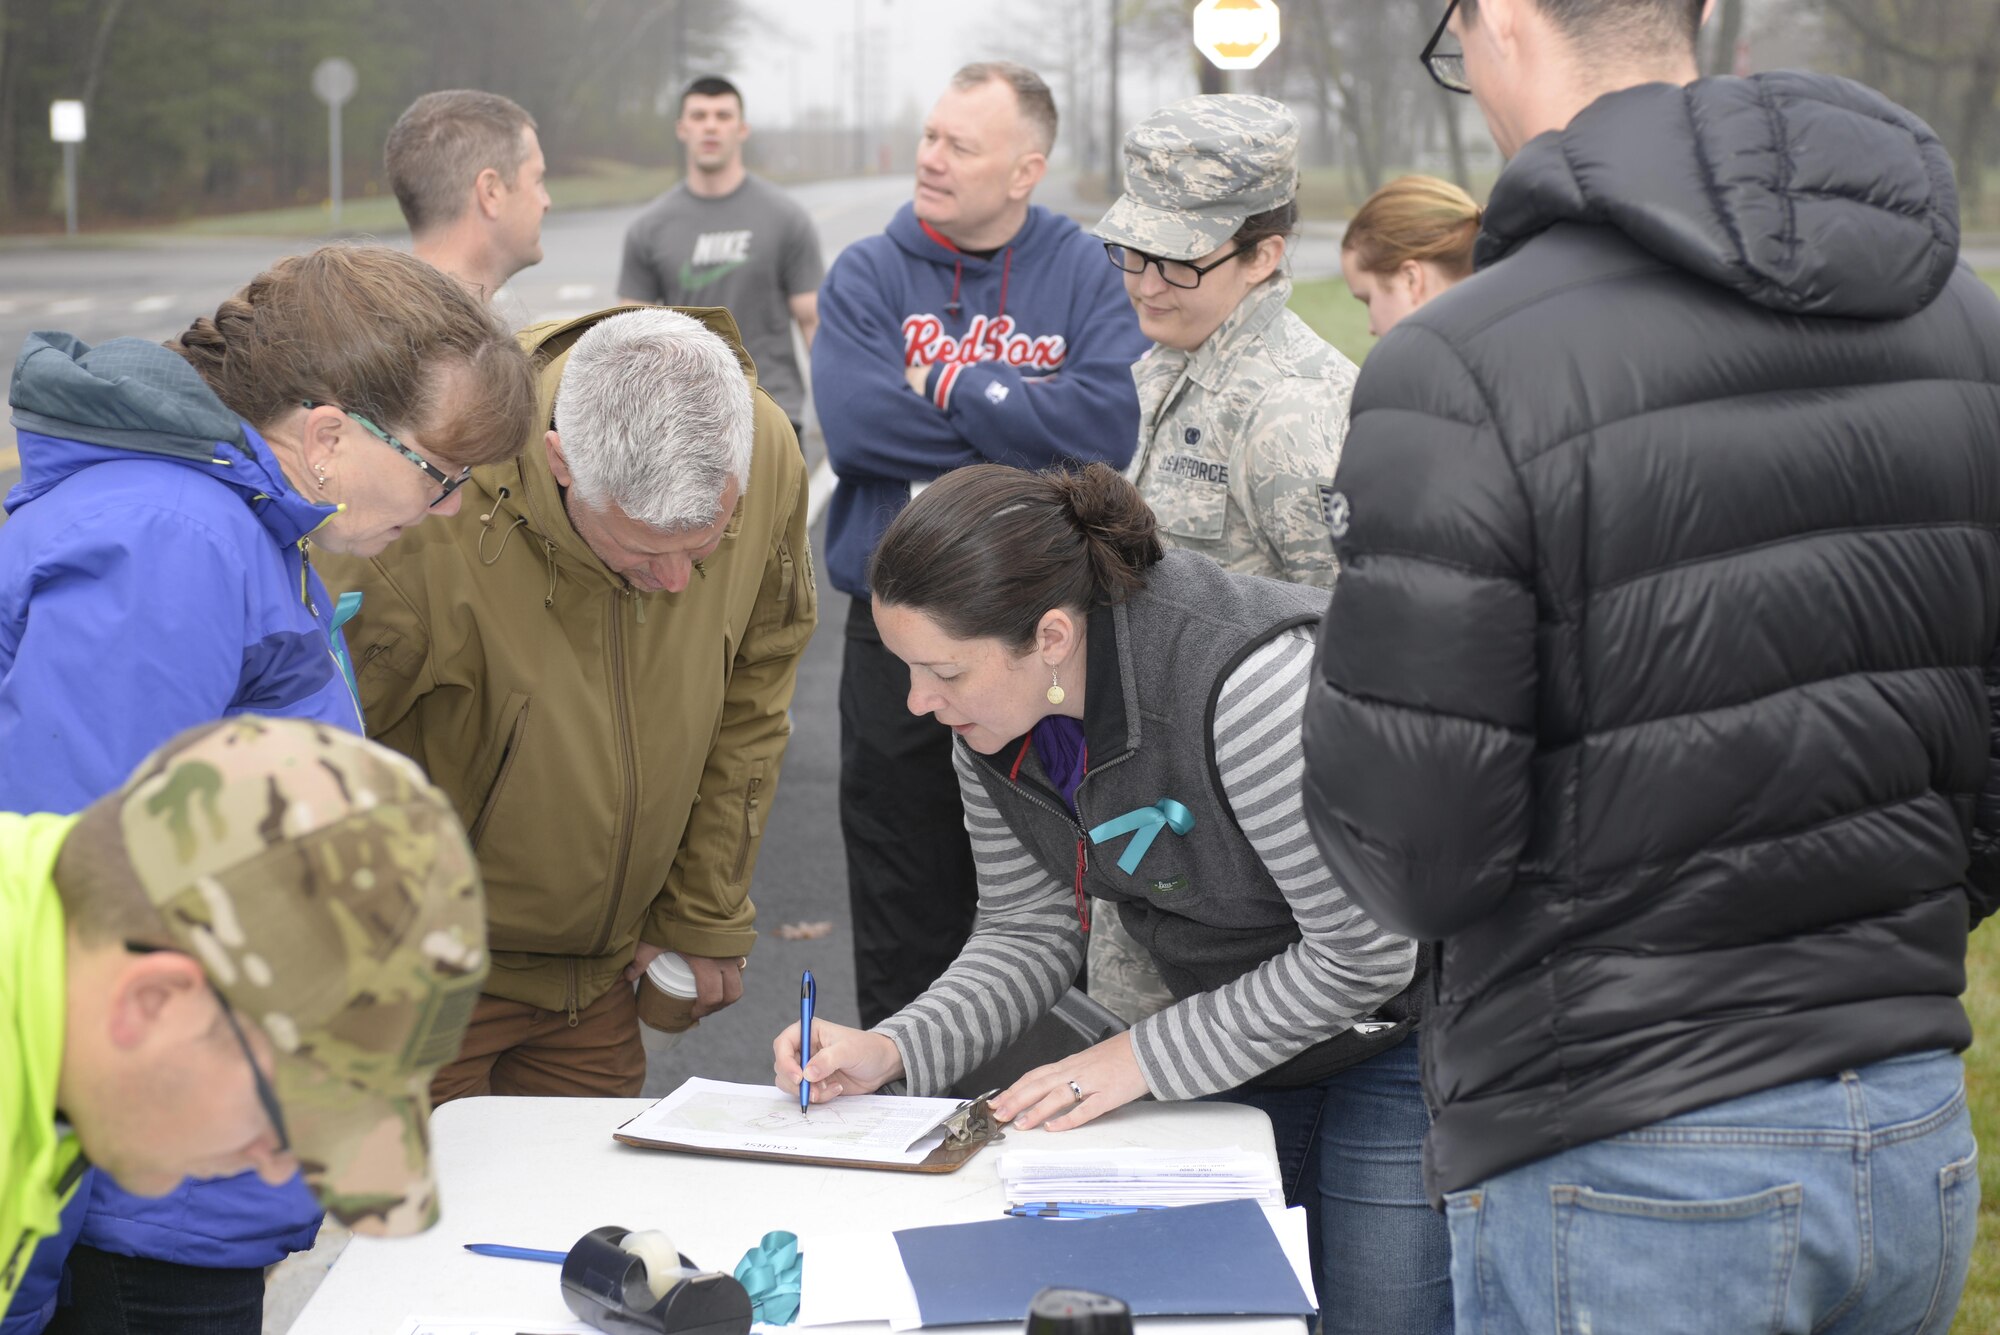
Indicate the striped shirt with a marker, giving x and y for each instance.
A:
(1027, 945)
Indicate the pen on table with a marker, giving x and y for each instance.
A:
(807, 993)
(1072, 1209)
(505, 1252)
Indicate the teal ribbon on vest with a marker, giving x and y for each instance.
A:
(770, 1273)
(1147, 821)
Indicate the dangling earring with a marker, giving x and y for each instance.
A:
(1056, 693)
(319, 471)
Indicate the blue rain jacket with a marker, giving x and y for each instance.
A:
(153, 576)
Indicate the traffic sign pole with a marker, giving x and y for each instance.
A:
(334, 81)
(66, 128)
(69, 189)
(333, 155)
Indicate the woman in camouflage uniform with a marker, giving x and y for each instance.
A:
(1242, 407)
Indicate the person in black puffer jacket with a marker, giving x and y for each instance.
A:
(1656, 689)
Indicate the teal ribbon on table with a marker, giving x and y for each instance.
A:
(770, 1273)
(1147, 821)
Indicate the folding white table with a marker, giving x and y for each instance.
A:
(543, 1172)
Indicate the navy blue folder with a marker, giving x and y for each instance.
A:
(1198, 1260)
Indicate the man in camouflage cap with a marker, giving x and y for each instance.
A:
(254, 954)
(1242, 408)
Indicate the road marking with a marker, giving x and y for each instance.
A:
(819, 492)
(576, 292)
(74, 306)
(147, 305)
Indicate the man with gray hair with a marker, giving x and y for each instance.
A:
(468, 173)
(594, 659)
(979, 328)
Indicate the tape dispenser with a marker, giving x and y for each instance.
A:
(630, 1283)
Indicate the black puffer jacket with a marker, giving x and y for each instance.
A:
(1657, 681)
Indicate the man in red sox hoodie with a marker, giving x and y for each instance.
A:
(979, 328)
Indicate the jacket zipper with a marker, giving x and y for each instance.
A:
(10, 1276)
(1033, 792)
(749, 823)
(570, 990)
(627, 770)
(305, 596)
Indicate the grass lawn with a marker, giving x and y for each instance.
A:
(1341, 321)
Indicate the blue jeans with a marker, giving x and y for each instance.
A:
(1838, 1206)
(1350, 1149)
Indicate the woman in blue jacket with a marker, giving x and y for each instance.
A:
(155, 572)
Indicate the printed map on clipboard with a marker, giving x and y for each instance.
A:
(881, 1130)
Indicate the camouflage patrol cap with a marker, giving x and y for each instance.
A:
(329, 893)
(1196, 170)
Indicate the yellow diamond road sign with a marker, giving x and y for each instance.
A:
(1236, 34)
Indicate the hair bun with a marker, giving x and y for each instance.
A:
(1116, 523)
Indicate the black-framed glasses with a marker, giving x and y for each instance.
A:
(431, 470)
(1175, 273)
(1447, 67)
(266, 1095)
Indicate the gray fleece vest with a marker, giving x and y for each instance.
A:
(1202, 904)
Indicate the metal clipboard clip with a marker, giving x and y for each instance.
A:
(973, 1123)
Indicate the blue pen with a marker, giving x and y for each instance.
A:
(1073, 1209)
(515, 1253)
(807, 994)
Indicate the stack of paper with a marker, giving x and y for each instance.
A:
(1138, 1177)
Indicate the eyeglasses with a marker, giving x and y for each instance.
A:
(1447, 67)
(436, 474)
(265, 1094)
(1176, 273)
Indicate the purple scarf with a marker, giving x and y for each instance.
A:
(1059, 745)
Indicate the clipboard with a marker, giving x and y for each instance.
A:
(967, 1131)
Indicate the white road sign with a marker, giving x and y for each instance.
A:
(1236, 34)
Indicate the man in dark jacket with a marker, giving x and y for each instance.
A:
(1656, 689)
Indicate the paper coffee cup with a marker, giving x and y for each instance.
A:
(667, 994)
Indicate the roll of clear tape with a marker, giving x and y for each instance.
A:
(662, 1258)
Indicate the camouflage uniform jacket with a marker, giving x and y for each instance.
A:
(612, 753)
(1238, 440)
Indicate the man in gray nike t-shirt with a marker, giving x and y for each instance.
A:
(726, 238)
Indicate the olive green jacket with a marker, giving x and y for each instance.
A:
(613, 753)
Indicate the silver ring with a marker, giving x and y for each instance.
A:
(1076, 1090)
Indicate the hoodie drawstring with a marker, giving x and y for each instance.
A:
(953, 307)
(549, 551)
(1006, 269)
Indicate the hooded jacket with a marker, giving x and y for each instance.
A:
(1656, 684)
(153, 575)
(1030, 354)
(613, 753)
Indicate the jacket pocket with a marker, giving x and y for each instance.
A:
(753, 822)
(513, 728)
(1186, 484)
(801, 590)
